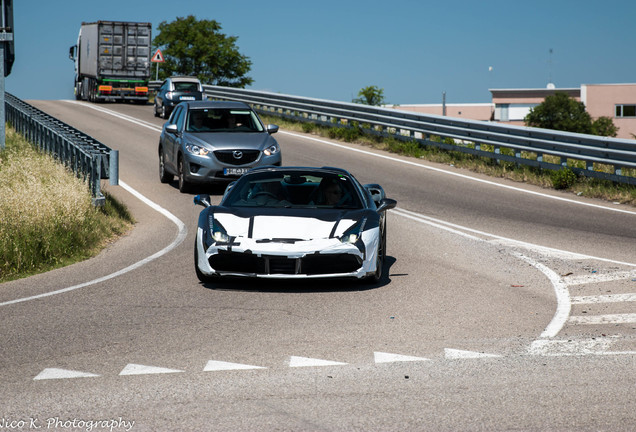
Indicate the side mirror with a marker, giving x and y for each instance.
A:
(386, 204)
(172, 128)
(202, 200)
(272, 128)
(71, 52)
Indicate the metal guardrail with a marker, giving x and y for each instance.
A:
(521, 145)
(86, 157)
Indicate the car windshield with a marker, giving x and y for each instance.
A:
(294, 189)
(223, 120)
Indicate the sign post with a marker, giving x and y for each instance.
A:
(157, 57)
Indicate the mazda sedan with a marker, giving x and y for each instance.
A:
(293, 223)
(207, 142)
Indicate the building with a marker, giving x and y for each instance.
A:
(616, 101)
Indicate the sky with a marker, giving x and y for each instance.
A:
(415, 50)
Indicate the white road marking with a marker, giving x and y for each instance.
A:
(310, 362)
(54, 373)
(608, 298)
(629, 318)
(560, 348)
(137, 369)
(598, 278)
(181, 235)
(215, 365)
(455, 354)
(382, 357)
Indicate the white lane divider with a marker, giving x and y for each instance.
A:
(137, 369)
(181, 235)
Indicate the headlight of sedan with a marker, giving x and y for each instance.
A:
(197, 150)
(273, 149)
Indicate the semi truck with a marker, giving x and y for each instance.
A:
(112, 61)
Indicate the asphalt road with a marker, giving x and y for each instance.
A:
(506, 307)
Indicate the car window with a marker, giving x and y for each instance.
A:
(186, 86)
(175, 114)
(179, 119)
(294, 189)
(223, 120)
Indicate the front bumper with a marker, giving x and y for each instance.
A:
(208, 169)
(322, 258)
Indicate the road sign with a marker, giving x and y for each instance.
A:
(157, 57)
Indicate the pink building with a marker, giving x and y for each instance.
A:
(616, 101)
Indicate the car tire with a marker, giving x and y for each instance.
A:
(379, 261)
(202, 277)
(184, 186)
(164, 176)
(163, 112)
(154, 109)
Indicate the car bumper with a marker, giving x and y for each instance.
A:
(208, 169)
(322, 258)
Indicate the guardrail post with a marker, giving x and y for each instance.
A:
(113, 167)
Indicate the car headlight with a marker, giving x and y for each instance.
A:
(217, 232)
(197, 150)
(273, 149)
(353, 234)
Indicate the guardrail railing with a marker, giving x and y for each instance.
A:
(86, 157)
(589, 155)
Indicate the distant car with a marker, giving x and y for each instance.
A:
(175, 90)
(293, 223)
(206, 142)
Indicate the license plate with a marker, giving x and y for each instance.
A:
(186, 98)
(235, 171)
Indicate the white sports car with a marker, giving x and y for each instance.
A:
(293, 222)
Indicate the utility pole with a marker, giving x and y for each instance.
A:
(6, 59)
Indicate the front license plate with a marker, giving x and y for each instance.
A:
(235, 171)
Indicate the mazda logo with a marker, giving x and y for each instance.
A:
(237, 154)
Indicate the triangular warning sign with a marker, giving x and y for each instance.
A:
(157, 57)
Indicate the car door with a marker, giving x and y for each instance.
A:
(172, 141)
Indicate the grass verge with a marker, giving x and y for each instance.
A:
(579, 185)
(47, 219)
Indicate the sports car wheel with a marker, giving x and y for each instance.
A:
(202, 277)
(184, 186)
(164, 176)
(379, 265)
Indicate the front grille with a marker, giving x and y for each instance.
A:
(316, 264)
(231, 157)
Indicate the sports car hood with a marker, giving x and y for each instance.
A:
(305, 225)
(231, 140)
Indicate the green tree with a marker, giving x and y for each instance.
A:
(604, 126)
(198, 48)
(560, 112)
(370, 95)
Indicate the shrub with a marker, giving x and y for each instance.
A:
(563, 178)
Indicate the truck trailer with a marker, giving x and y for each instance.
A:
(112, 61)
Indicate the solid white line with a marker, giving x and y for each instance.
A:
(118, 115)
(181, 235)
(464, 176)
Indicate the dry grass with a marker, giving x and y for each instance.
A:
(47, 218)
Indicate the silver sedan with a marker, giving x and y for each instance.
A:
(206, 142)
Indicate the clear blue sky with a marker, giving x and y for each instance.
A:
(413, 49)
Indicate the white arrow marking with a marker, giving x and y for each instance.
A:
(460, 354)
(137, 369)
(306, 362)
(381, 357)
(214, 365)
(54, 373)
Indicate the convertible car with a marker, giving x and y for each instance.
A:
(293, 222)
